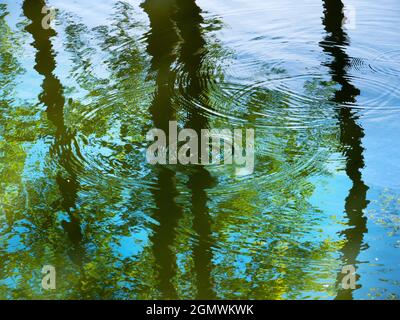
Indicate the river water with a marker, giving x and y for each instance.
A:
(316, 80)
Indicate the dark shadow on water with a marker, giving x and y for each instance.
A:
(161, 43)
(351, 134)
(175, 36)
(52, 97)
(188, 20)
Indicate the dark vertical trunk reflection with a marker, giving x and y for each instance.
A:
(53, 98)
(351, 134)
(162, 40)
(175, 23)
(189, 21)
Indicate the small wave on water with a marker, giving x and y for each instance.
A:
(223, 91)
(387, 63)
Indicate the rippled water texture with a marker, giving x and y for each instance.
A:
(317, 80)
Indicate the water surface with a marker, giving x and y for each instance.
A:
(317, 80)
